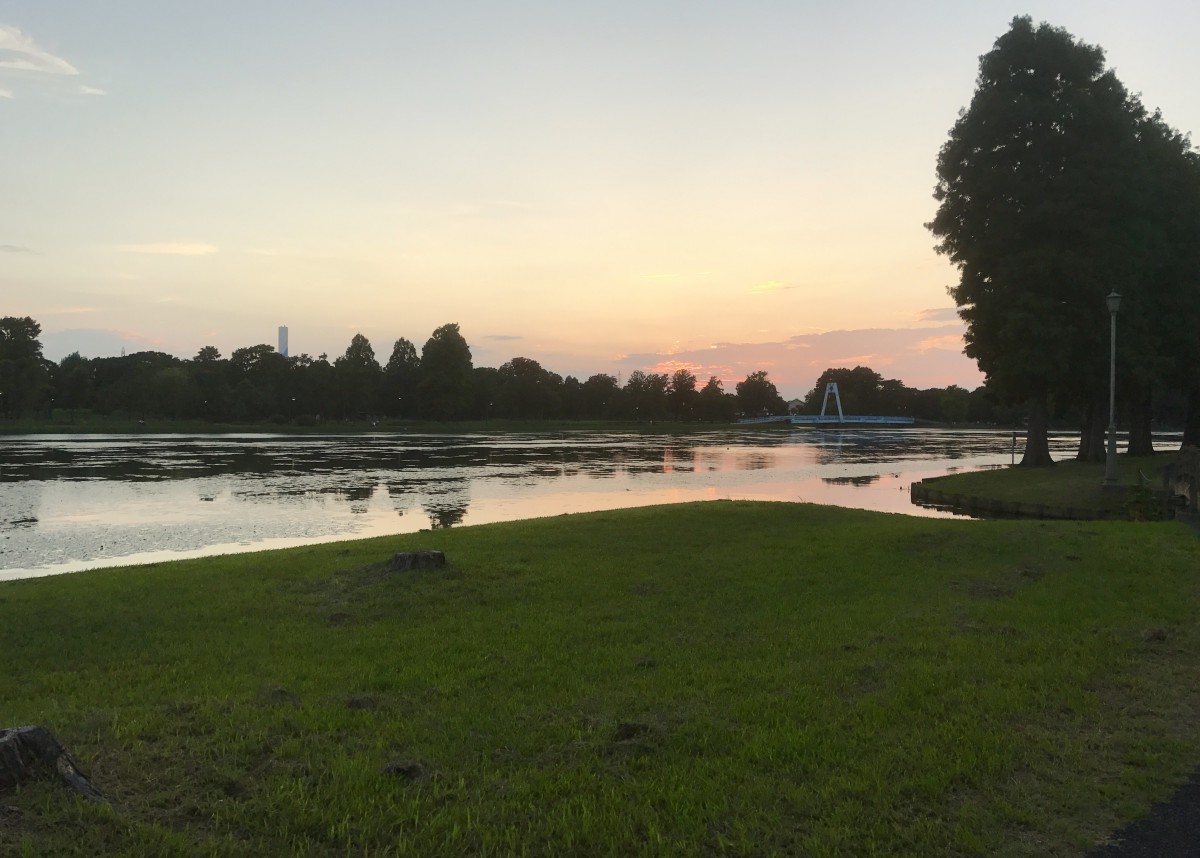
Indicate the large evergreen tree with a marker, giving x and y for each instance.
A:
(1037, 185)
(400, 379)
(446, 376)
(358, 376)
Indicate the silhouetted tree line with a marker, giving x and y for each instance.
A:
(257, 384)
(864, 391)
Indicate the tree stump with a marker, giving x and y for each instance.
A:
(29, 753)
(407, 561)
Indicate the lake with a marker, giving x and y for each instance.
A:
(73, 502)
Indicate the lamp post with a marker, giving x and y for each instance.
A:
(1110, 460)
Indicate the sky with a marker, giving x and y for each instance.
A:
(601, 186)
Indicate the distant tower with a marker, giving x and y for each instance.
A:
(283, 340)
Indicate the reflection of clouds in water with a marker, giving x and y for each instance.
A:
(122, 496)
(865, 480)
(679, 458)
(710, 458)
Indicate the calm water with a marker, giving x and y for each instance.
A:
(71, 502)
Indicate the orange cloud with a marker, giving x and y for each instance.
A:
(670, 366)
(920, 357)
(871, 360)
(948, 342)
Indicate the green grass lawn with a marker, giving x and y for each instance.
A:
(1067, 484)
(706, 679)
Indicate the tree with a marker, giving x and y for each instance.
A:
(681, 393)
(445, 386)
(401, 375)
(358, 376)
(258, 381)
(757, 396)
(129, 383)
(24, 375)
(862, 390)
(244, 361)
(73, 382)
(527, 390)
(1033, 186)
(1164, 322)
(600, 397)
(645, 395)
(572, 398)
(714, 404)
(212, 375)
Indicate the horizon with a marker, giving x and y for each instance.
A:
(601, 188)
(62, 344)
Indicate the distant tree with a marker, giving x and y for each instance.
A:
(174, 392)
(401, 376)
(758, 396)
(73, 383)
(24, 373)
(213, 377)
(358, 376)
(681, 394)
(572, 398)
(127, 383)
(446, 377)
(486, 384)
(265, 373)
(645, 395)
(714, 404)
(1037, 188)
(954, 403)
(600, 397)
(246, 360)
(208, 355)
(318, 385)
(861, 390)
(527, 390)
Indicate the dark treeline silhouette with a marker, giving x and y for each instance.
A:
(256, 384)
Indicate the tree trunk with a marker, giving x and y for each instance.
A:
(1091, 438)
(1191, 423)
(1037, 441)
(28, 753)
(1140, 441)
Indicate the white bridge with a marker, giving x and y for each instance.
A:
(839, 419)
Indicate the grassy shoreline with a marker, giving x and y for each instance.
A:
(1068, 485)
(720, 678)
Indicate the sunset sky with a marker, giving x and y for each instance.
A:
(601, 186)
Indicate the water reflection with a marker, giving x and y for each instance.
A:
(864, 480)
(69, 502)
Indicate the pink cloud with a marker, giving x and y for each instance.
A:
(920, 357)
(948, 342)
(871, 360)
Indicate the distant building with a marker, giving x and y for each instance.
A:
(283, 340)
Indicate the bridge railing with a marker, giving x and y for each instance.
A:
(774, 418)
